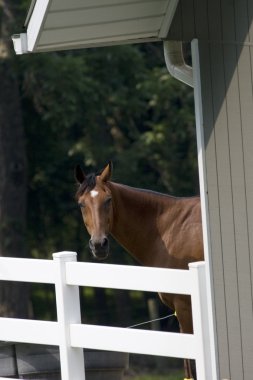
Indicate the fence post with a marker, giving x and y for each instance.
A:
(68, 311)
(201, 322)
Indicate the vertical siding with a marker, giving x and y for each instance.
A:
(213, 209)
(250, 18)
(226, 219)
(225, 32)
(188, 28)
(243, 179)
(228, 133)
(176, 28)
(231, 91)
(232, 105)
(201, 20)
(247, 129)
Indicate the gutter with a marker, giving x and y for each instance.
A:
(26, 42)
(174, 58)
(20, 43)
(20, 40)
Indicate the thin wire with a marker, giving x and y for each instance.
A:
(153, 320)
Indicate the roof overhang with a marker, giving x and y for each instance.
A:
(61, 24)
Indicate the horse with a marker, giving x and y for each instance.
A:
(158, 230)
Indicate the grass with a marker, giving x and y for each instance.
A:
(156, 377)
(176, 376)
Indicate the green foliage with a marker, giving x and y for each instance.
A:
(88, 107)
(92, 106)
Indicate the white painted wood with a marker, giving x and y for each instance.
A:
(68, 312)
(148, 28)
(27, 270)
(20, 43)
(56, 24)
(71, 336)
(98, 16)
(134, 340)
(204, 208)
(167, 19)
(36, 23)
(101, 41)
(129, 277)
(201, 326)
(29, 331)
(58, 5)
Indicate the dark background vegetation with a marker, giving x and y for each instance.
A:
(84, 106)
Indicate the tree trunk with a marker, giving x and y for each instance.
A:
(14, 297)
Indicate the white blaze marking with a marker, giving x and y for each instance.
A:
(94, 193)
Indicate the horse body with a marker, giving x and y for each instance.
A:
(157, 230)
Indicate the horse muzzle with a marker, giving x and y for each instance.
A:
(99, 248)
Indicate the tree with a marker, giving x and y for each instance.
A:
(14, 299)
(84, 106)
(92, 106)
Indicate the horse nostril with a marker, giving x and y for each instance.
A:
(104, 243)
(99, 248)
(96, 244)
(91, 244)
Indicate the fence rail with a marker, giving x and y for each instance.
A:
(71, 336)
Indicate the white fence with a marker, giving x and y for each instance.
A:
(71, 336)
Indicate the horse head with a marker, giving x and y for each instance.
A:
(95, 200)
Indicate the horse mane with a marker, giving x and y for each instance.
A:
(87, 185)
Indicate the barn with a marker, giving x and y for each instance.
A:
(221, 37)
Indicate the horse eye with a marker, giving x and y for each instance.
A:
(81, 205)
(108, 201)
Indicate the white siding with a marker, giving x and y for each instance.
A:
(85, 23)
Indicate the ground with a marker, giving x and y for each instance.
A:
(175, 375)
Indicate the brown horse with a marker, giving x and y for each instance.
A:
(157, 230)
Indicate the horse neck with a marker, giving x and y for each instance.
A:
(136, 223)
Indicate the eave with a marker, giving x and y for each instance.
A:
(61, 24)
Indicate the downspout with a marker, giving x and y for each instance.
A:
(174, 58)
(20, 40)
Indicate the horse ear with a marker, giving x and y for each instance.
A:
(79, 174)
(106, 172)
